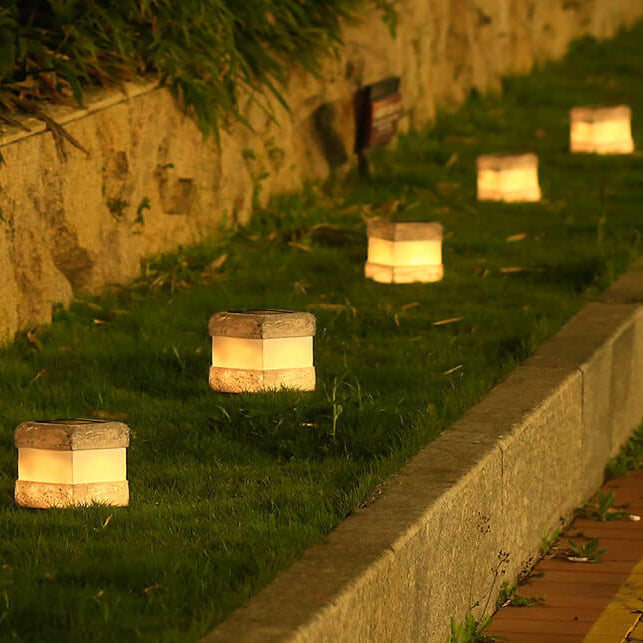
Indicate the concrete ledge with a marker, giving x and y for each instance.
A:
(500, 479)
(95, 100)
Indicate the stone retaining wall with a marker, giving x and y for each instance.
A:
(499, 480)
(68, 220)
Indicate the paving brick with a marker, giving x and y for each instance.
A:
(522, 637)
(621, 567)
(627, 527)
(595, 576)
(588, 590)
(547, 613)
(585, 599)
(543, 627)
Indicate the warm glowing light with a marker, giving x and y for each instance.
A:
(262, 354)
(259, 350)
(64, 463)
(508, 178)
(601, 130)
(404, 252)
(71, 467)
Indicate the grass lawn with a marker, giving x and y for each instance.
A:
(227, 490)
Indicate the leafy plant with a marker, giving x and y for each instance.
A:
(343, 392)
(629, 459)
(207, 52)
(547, 543)
(471, 630)
(586, 552)
(337, 408)
(603, 509)
(509, 596)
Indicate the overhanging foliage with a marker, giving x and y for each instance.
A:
(206, 51)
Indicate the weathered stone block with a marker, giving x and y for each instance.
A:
(542, 464)
(63, 463)
(604, 343)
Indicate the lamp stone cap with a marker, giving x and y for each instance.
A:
(507, 161)
(593, 114)
(72, 435)
(404, 230)
(262, 324)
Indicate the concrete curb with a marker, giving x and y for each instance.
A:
(499, 480)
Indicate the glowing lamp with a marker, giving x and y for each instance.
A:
(262, 350)
(64, 463)
(508, 178)
(601, 130)
(400, 253)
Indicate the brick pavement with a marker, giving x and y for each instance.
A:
(586, 602)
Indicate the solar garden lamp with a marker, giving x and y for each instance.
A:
(262, 350)
(404, 252)
(601, 130)
(508, 178)
(64, 463)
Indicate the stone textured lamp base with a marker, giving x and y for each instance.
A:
(47, 495)
(236, 380)
(625, 146)
(403, 274)
(519, 196)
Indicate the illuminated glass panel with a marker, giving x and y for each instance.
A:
(44, 465)
(262, 354)
(287, 352)
(404, 253)
(487, 180)
(71, 467)
(612, 132)
(518, 179)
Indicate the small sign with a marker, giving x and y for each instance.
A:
(379, 108)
